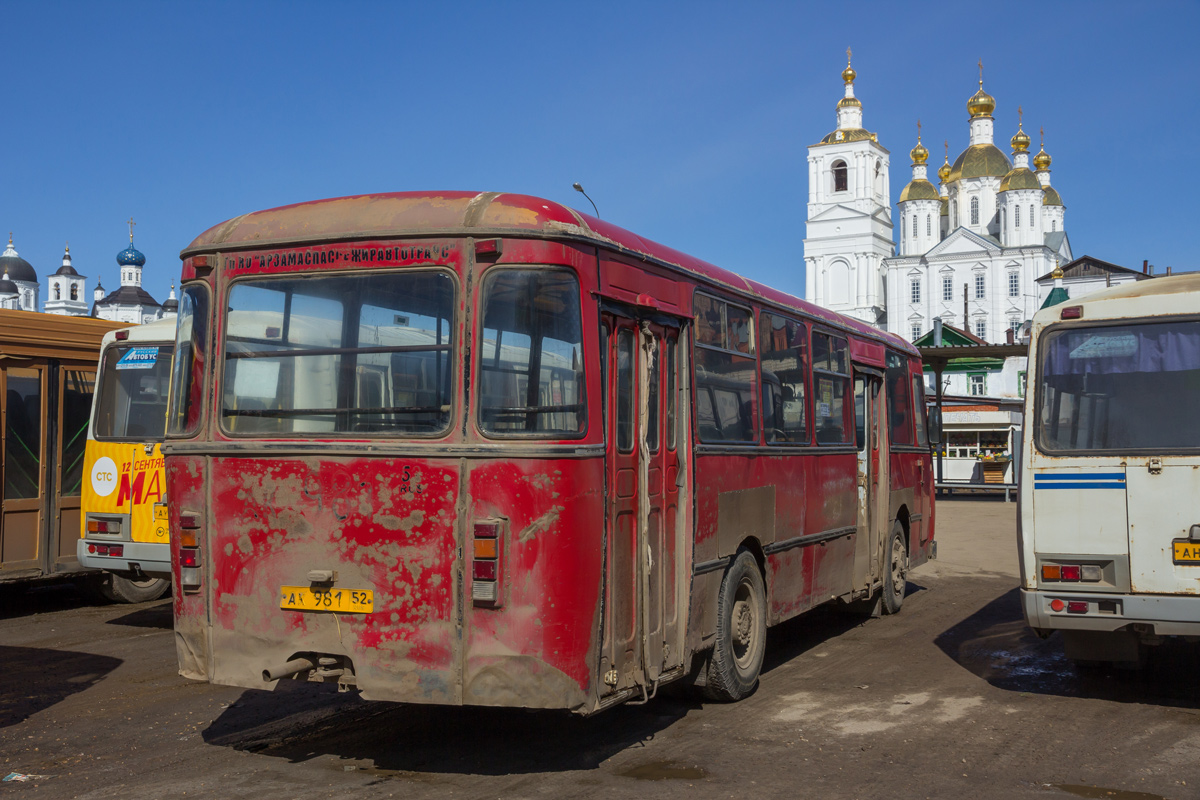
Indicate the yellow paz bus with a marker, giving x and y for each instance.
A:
(124, 509)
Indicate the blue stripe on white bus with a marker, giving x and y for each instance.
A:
(1081, 476)
(1080, 480)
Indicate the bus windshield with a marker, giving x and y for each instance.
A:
(1120, 388)
(133, 393)
(362, 354)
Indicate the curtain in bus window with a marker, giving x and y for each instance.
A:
(625, 390)
(1120, 387)
(899, 400)
(831, 385)
(134, 381)
(191, 351)
(368, 355)
(784, 347)
(531, 372)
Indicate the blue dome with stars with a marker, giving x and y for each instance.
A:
(131, 257)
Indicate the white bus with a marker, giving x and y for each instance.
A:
(1109, 532)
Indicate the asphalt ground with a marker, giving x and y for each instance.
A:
(952, 698)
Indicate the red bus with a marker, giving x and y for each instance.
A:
(482, 449)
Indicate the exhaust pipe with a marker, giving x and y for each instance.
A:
(288, 669)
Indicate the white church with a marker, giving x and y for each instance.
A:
(970, 252)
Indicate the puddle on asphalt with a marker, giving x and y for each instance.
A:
(663, 771)
(1100, 793)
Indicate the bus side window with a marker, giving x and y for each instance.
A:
(900, 408)
(784, 346)
(919, 410)
(831, 379)
(725, 368)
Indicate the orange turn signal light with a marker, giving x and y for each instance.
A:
(485, 548)
(1051, 572)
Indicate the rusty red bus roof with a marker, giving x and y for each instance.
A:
(480, 214)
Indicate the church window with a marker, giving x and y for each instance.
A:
(1016, 217)
(916, 331)
(974, 210)
(840, 176)
(980, 285)
(1014, 284)
(947, 288)
(1053, 225)
(929, 225)
(1031, 221)
(57, 291)
(1014, 324)
(914, 224)
(74, 292)
(953, 212)
(1004, 220)
(981, 328)
(915, 290)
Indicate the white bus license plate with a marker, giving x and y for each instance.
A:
(343, 601)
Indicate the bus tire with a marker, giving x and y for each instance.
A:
(895, 576)
(741, 641)
(127, 590)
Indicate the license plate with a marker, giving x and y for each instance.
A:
(1186, 552)
(342, 601)
(160, 512)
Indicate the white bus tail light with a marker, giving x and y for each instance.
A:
(486, 574)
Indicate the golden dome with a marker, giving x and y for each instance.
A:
(1058, 271)
(849, 102)
(919, 189)
(944, 171)
(1042, 159)
(847, 135)
(848, 74)
(1020, 178)
(981, 103)
(1051, 198)
(919, 154)
(1020, 141)
(979, 161)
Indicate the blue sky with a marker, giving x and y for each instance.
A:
(686, 122)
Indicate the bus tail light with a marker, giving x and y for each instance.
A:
(103, 526)
(122, 335)
(1070, 572)
(485, 564)
(1077, 607)
(115, 550)
(189, 552)
(1088, 573)
(1072, 312)
(1051, 572)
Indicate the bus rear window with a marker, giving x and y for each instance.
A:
(133, 393)
(365, 355)
(531, 372)
(1120, 388)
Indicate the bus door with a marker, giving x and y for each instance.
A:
(642, 636)
(21, 539)
(870, 434)
(74, 389)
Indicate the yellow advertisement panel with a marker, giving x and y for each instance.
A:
(121, 478)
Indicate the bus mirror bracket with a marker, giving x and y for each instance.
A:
(934, 425)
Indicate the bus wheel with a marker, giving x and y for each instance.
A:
(895, 581)
(125, 590)
(741, 642)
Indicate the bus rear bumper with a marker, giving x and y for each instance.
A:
(1158, 615)
(150, 558)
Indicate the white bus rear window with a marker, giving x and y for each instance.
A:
(1120, 388)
